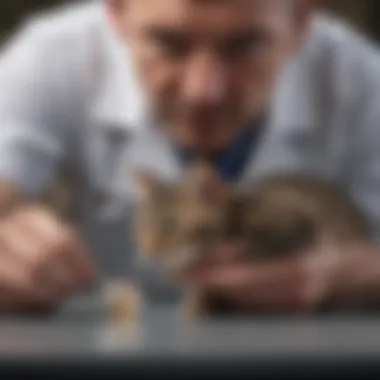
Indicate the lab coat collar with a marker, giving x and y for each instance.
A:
(118, 100)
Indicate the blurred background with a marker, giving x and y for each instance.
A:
(363, 13)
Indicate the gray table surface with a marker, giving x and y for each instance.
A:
(81, 330)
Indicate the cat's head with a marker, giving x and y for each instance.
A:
(176, 221)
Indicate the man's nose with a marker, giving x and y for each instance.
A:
(204, 80)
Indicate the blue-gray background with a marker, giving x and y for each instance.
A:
(364, 13)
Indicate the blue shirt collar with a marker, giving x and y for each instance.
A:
(231, 162)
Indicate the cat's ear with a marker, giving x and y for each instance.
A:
(208, 184)
(146, 181)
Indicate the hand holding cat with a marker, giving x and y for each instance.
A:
(302, 284)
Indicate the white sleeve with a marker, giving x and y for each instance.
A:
(33, 103)
(364, 150)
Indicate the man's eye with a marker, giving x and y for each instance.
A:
(243, 47)
(240, 49)
(172, 45)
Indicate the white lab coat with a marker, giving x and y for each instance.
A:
(68, 95)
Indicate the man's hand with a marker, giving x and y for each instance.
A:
(42, 261)
(329, 274)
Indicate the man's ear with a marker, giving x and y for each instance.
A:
(117, 14)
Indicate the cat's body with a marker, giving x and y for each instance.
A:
(274, 218)
(292, 214)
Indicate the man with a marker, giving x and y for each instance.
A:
(104, 88)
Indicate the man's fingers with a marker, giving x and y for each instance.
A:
(72, 263)
(271, 287)
(270, 299)
(18, 282)
(297, 284)
(42, 261)
(244, 275)
(224, 278)
(36, 256)
(227, 253)
(48, 252)
(79, 258)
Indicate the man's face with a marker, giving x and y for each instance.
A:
(208, 65)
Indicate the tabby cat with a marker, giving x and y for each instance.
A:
(177, 223)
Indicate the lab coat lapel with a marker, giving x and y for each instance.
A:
(296, 128)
